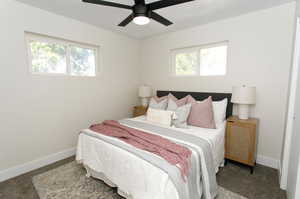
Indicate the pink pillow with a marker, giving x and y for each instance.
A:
(160, 99)
(179, 102)
(201, 114)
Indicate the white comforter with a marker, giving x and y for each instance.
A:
(134, 176)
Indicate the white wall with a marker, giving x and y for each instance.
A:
(260, 47)
(298, 7)
(42, 115)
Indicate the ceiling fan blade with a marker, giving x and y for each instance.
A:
(107, 3)
(160, 19)
(165, 3)
(127, 20)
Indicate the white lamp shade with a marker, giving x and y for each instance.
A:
(243, 95)
(145, 91)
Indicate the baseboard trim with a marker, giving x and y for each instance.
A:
(267, 161)
(35, 164)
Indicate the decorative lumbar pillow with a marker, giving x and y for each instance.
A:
(158, 105)
(179, 102)
(201, 114)
(181, 112)
(219, 108)
(162, 117)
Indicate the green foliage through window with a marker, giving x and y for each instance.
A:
(48, 58)
(203, 61)
(57, 58)
(82, 61)
(186, 63)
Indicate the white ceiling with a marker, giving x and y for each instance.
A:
(184, 15)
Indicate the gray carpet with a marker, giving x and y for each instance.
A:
(69, 182)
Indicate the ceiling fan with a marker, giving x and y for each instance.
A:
(142, 12)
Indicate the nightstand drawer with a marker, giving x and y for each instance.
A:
(240, 144)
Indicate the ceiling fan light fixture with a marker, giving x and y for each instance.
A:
(141, 20)
(142, 12)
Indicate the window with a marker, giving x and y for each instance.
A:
(209, 60)
(56, 56)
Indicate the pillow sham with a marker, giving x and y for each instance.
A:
(162, 117)
(219, 108)
(181, 114)
(201, 114)
(158, 105)
(160, 99)
(179, 102)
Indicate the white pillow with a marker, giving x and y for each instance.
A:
(182, 113)
(158, 105)
(160, 116)
(219, 108)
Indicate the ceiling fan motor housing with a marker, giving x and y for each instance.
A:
(141, 10)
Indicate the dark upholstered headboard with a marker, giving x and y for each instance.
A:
(201, 96)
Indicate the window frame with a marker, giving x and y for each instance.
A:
(198, 49)
(29, 37)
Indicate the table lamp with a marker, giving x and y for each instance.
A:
(244, 96)
(145, 92)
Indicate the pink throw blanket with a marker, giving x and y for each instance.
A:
(173, 153)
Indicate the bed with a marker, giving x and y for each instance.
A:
(137, 178)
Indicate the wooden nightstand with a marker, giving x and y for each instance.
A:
(240, 141)
(139, 111)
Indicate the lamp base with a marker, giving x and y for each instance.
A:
(144, 101)
(243, 111)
